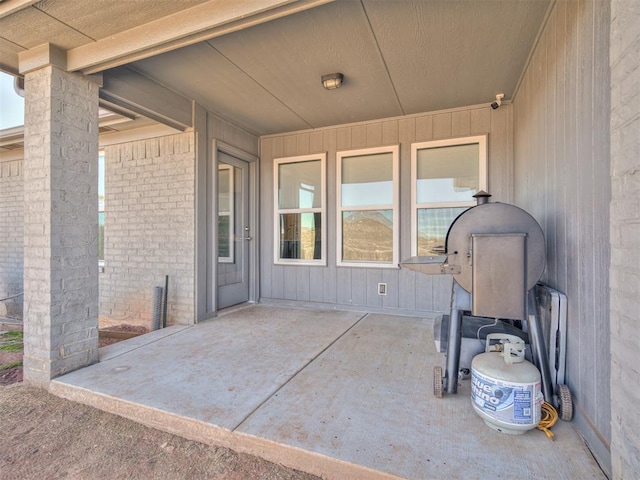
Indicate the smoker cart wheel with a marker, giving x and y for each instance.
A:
(565, 404)
(437, 382)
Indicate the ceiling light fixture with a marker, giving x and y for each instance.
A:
(332, 81)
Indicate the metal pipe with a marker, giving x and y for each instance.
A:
(453, 350)
(460, 301)
(157, 307)
(164, 303)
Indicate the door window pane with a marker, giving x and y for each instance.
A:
(101, 184)
(224, 237)
(226, 210)
(224, 189)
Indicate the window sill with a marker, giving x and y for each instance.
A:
(368, 265)
(300, 263)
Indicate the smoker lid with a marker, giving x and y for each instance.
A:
(494, 218)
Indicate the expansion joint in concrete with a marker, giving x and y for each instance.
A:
(275, 392)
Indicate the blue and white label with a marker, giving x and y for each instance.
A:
(507, 402)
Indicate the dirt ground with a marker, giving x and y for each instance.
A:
(43, 436)
(14, 374)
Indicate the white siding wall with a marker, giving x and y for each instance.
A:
(11, 236)
(561, 158)
(407, 291)
(149, 224)
(625, 238)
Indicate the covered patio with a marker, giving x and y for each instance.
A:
(340, 394)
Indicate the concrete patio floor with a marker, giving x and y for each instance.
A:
(340, 394)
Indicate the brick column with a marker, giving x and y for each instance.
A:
(60, 223)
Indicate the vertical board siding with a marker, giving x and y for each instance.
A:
(461, 123)
(561, 166)
(500, 174)
(442, 126)
(602, 196)
(406, 135)
(584, 168)
(406, 290)
(316, 285)
(266, 259)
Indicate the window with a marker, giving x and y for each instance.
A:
(225, 213)
(367, 200)
(101, 207)
(300, 205)
(445, 175)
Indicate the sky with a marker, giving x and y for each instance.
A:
(11, 104)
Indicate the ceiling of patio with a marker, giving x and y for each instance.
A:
(398, 57)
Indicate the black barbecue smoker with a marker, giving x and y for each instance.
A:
(496, 254)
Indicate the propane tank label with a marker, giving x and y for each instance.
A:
(508, 402)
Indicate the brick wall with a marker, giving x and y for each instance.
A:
(625, 238)
(11, 223)
(149, 228)
(60, 224)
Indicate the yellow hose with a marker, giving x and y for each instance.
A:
(549, 417)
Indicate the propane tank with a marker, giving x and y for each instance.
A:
(505, 388)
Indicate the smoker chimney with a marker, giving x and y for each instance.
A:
(482, 197)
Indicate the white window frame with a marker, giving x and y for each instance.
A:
(322, 261)
(101, 204)
(481, 140)
(394, 150)
(230, 214)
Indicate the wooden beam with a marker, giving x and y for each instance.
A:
(128, 89)
(38, 57)
(193, 25)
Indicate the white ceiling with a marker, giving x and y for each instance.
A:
(398, 56)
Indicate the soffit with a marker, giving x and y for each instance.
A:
(455, 53)
(89, 29)
(42, 28)
(70, 24)
(108, 17)
(398, 57)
